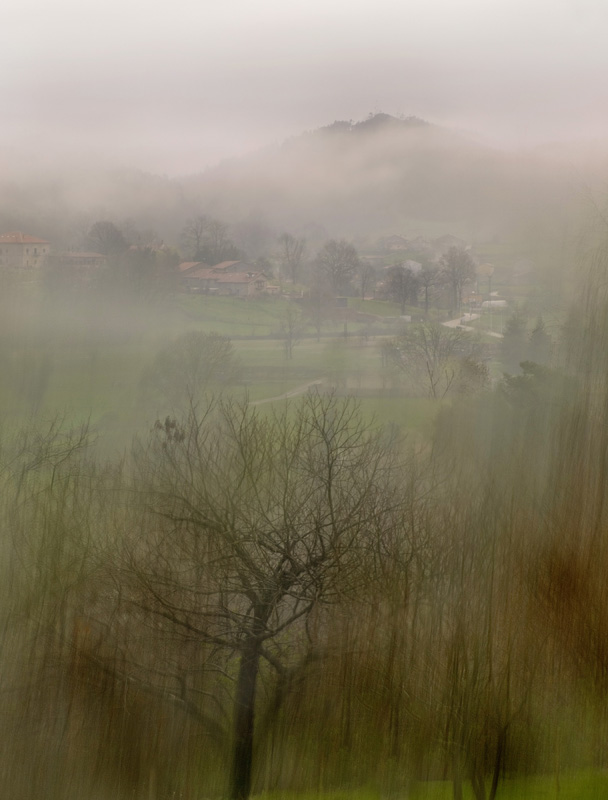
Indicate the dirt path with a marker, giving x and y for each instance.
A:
(458, 323)
(292, 393)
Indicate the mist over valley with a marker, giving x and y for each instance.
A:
(303, 344)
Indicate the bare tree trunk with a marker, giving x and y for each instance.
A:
(244, 715)
(457, 785)
(500, 747)
(478, 784)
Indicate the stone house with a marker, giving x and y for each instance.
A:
(22, 251)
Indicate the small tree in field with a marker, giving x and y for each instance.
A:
(367, 279)
(254, 522)
(457, 269)
(427, 278)
(338, 262)
(291, 328)
(437, 359)
(402, 286)
(291, 254)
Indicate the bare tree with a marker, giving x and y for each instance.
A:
(402, 285)
(291, 253)
(208, 239)
(217, 244)
(457, 269)
(192, 235)
(291, 328)
(437, 359)
(427, 277)
(254, 523)
(106, 238)
(338, 262)
(367, 278)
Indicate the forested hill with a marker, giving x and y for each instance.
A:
(358, 180)
(376, 176)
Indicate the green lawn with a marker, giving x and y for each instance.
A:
(381, 308)
(86, 363)
(578, 786)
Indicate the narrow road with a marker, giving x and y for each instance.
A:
(458, 323)
(292, 393)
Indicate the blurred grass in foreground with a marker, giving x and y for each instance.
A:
(575, 786)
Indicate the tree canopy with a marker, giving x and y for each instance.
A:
(457, 269)
(338, 262)
(436, 359)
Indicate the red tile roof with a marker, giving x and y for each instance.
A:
(188, 265)
(16, 237)
(205, 273)
(226, 264)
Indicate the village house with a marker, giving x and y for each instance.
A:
(227, 278)
(246, 284)
(224, 279)
(197, 277)
(231, 267)
(22, 251)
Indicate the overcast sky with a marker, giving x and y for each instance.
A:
(174, 87)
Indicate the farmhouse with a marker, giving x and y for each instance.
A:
(246, 284)
(228, 277)
(22, 251)
(232, 267)
(198, 277)
(188, 267)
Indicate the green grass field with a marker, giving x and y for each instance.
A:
(577, 786)
(87, 364)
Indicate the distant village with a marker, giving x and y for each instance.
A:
(21, 251)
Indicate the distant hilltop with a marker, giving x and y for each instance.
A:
(364, 178)
(358, 180)
(373, 123)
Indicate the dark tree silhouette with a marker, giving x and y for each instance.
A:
(338, 262)
(457, 269)
(254, 522)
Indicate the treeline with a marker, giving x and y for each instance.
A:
(251, 600)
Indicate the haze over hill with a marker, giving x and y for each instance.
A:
(382, 173)
(356, 179)
(304, 405)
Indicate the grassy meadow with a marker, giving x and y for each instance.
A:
(85, 363)
(572, 786)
